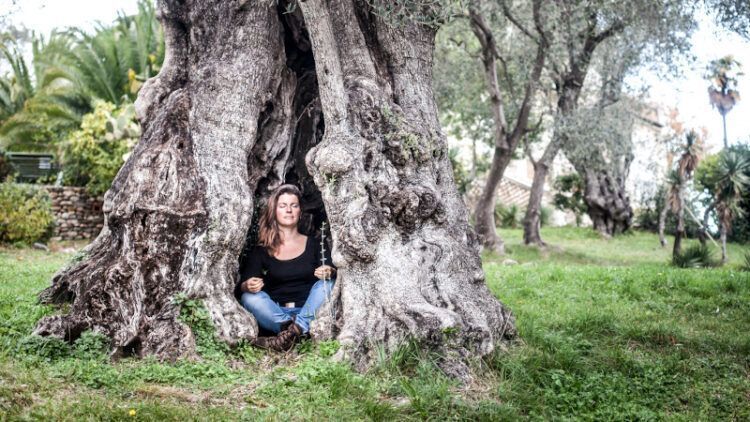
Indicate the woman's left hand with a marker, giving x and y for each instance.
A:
(324, 272)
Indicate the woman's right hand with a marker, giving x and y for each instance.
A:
(253, 284)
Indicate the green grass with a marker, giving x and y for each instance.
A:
(610, 330)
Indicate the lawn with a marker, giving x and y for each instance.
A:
(608, 331)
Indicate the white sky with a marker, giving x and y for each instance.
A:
(688, 93)
(44, 15)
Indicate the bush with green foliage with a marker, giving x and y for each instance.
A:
(569, 195)
(93, 155)
(25, 213)
(746, 264)
(511, 217)
(708, 176)
(508, 217)
(43, 100)
(695, 256)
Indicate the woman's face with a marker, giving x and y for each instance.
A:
(287, 210)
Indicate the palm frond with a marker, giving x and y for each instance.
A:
(695, 256)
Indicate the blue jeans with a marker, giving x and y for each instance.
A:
(270, 315)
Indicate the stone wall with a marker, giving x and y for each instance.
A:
(77, 215)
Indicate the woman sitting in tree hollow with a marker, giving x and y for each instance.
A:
(282, 281)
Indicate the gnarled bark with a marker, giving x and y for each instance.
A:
(246, 93)
(607, 204)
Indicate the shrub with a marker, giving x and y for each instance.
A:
(91, 345)
(746, 265)
(695, 256)
(93, 155)
(25, 213)
(508, 217)
(707, 177)
(569, 196)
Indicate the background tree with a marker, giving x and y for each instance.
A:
(569, 191)
(672, 202)
(574, 30)
(732, 14)
(578, 30)
(335, 96)
(727, 179)
(506, 138)
(461, 94)
(686, 164)
(37, 104)
(601, 148)
(723, 92)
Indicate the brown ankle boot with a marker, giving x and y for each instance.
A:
(284, 341)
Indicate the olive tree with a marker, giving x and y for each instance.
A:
(333, 95)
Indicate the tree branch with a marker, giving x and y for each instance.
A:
(531, 85)
(517, 23)
(490, 53)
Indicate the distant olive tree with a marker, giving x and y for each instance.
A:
(578, 31)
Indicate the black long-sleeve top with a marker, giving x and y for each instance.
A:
(288, 280)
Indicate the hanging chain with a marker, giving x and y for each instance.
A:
(327, 280)
(323, 247)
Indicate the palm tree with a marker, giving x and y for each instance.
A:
(731, 180)
(112, 63)
(38, 101)
(16, 87)
(73, 69)
(685, 166)
(723, 92)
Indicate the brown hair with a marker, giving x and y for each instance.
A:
(269, 235)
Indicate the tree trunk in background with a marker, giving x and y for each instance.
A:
(234, 111)
(506, 141)
(703, 230)
(680, 231)
(723, 234)
(607, 203)
(662, 224)
(484, 211)
(532, 221)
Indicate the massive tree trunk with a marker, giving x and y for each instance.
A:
(247, 92)
(607, 204)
